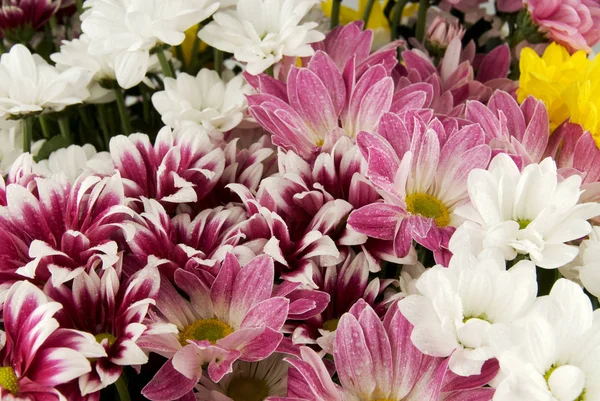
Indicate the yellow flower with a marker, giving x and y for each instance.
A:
(569, 85)
(188, 44)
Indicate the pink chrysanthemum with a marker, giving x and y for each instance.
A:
(35, 355)
(19, 16)
(113, 310)
(421, 170)
(62, 228)
(573, 23)
(376, 360)
(234, 317)
(182, 166)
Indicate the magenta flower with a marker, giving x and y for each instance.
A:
(320, 105)
(182, 166)
(453, 82)
(522, 132)
(421, 170)
(234, 317)
(193, 244)
(62, 228)
(19, 16)
(376, 360)
(36, 356)
(573, 23)
(113, 310)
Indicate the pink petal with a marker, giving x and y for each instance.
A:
(377, 220)
(271, 313)
(253, 284)
(168, 384)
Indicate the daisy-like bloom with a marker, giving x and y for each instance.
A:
(376, 361)
(62, 228)
(130, 31)
(522, 132)
(477, 293)
(260, 32)
(572, 23)
(197, 243)
(182, 166)
(345, 283)
(249, 381)
(421, 170)
(441, 32)
(205, 100)
(524, 212)
(73, 161)
(306, 116)
(19, 19)
(113, 310)
(555, 350)
(28, 84)
(234, 317)
(586, 268)
(567, 84)
(36, 355)
(453, 81)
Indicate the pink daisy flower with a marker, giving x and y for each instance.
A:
(36, 356)
(113, 310)
(376, 360)
(421, 170)
(234, 317)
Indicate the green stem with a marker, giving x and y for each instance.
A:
(45, 126)
(367, 12)
(397, 17)
(103, 125)
(335, 13)
(125, 123)
(218, 55)
(79, 6)
(122, 389)
(164, 64)
(65, 130)
(421, 20)
(546, 279)
(27, 124)
(2, 47)
(181, 57)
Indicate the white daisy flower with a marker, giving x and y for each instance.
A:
(460, 306)
(525, 212)
(73, 160)
(261, 32)
(203, 100)
(249, 381)
(28, 84)
(129, 30)
(557, 349)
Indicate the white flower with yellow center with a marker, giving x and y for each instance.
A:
(525, 212)
(261, 32)
(459, 307)
(555, 352)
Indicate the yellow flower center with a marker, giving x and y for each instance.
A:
(8, 380)
(384, 399)
(100, 337)
(331, 325)
(247, 389)
(428, 206)
(205, 329)
(523, 223)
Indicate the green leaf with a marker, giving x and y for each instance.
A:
(50, 146)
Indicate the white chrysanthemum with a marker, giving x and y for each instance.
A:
(75, 159)
(524, 212)
(585, 269)
(75, 53)
(261, 32)
(204, 100)
(554, 354)
(130, 29)
(248, 381)
(11, 148)
(460, 306)
(28, 84)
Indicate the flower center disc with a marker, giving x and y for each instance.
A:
(100, 337)
(8, 380)
(428, 206)
(331, 324)
(247, 389)
(205, 329)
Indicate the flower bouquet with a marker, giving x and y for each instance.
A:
(296, 200)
